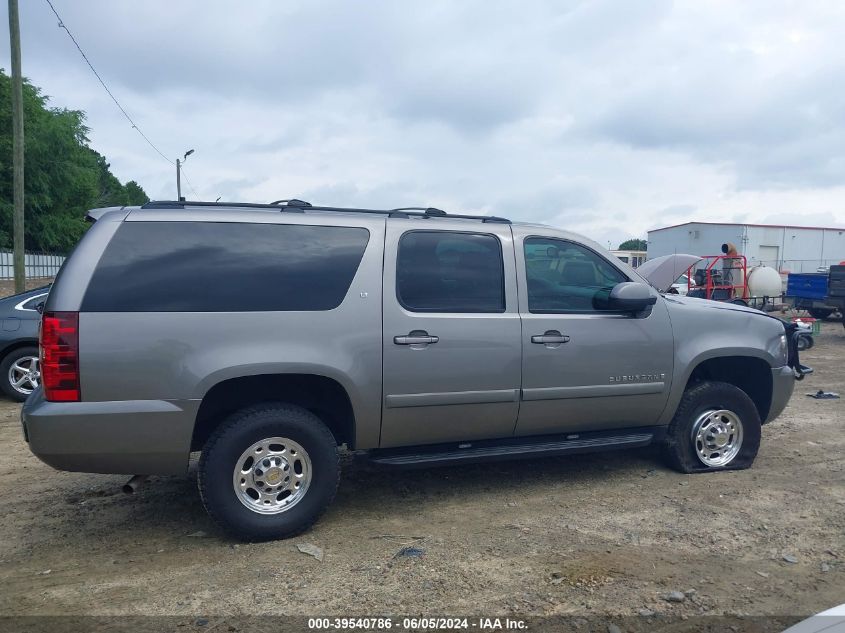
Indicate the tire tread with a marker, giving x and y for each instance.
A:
(237, 420)
(677, 447)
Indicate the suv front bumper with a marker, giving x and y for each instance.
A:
(150, 437)
(783, 383)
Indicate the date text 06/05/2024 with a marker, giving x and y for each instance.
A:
(416, 624)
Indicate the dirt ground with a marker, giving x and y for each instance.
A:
(7, 286)
(594, 534)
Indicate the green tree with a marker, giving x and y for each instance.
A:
(64, 177)
(633, 244)
(136, 195)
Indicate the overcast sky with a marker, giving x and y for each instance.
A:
(604, 117)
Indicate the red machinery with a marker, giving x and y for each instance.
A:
(720, 278)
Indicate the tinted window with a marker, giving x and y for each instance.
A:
(566, 277)
(441, 271)
(225, 267)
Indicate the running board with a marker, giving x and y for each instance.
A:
(468, 452)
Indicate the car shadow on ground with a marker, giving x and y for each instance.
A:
(171, 505)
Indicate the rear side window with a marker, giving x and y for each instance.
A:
(225, 267)
(442, 271)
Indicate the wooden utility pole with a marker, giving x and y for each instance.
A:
(17, 144)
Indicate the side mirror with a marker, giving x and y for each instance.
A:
(630, 296)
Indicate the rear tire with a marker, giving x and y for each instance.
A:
(269, 472)
(821, 313)
(22, 366)
(716, 427)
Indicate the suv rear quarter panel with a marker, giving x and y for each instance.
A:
(178, 356)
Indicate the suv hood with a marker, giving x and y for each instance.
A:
(705, 325)
(661, 272)
(705, 304)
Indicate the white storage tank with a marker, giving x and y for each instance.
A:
(764, 281)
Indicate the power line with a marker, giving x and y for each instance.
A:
(113, 98)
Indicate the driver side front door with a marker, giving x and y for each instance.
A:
(585, 369)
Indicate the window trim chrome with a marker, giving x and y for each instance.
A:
(20, 305)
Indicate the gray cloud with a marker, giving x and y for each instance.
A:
(605, 117)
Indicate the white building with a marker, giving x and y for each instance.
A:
(632, 258)
(785, 248)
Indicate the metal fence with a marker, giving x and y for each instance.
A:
(36, 265)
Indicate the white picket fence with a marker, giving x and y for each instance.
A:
(36, 265)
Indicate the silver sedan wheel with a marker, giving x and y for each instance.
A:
(272, 475)
(25, 374)
(717, 437)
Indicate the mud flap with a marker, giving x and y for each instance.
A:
(794, 360)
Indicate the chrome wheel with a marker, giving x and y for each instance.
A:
(717, 436)
(25, 374)
(272, 475)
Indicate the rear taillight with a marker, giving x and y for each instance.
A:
(60, 356)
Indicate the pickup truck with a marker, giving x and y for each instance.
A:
(821, 294)
(267, 336)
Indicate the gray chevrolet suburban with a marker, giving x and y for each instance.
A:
(267, 336)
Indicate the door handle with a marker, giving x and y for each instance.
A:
(417, 337)
(551, 337)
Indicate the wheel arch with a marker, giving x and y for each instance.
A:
(324, 396)
(16, 345)
(751, 374)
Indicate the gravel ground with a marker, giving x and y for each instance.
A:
(608, 534)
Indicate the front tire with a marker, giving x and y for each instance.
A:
(20, 373)
(805, 342)
(269, 472)
(716, 427)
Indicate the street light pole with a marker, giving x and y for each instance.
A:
(179, 164)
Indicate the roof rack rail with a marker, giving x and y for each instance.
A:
(298, 206)
(431, 211)
(181, 204)
(293, 202)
